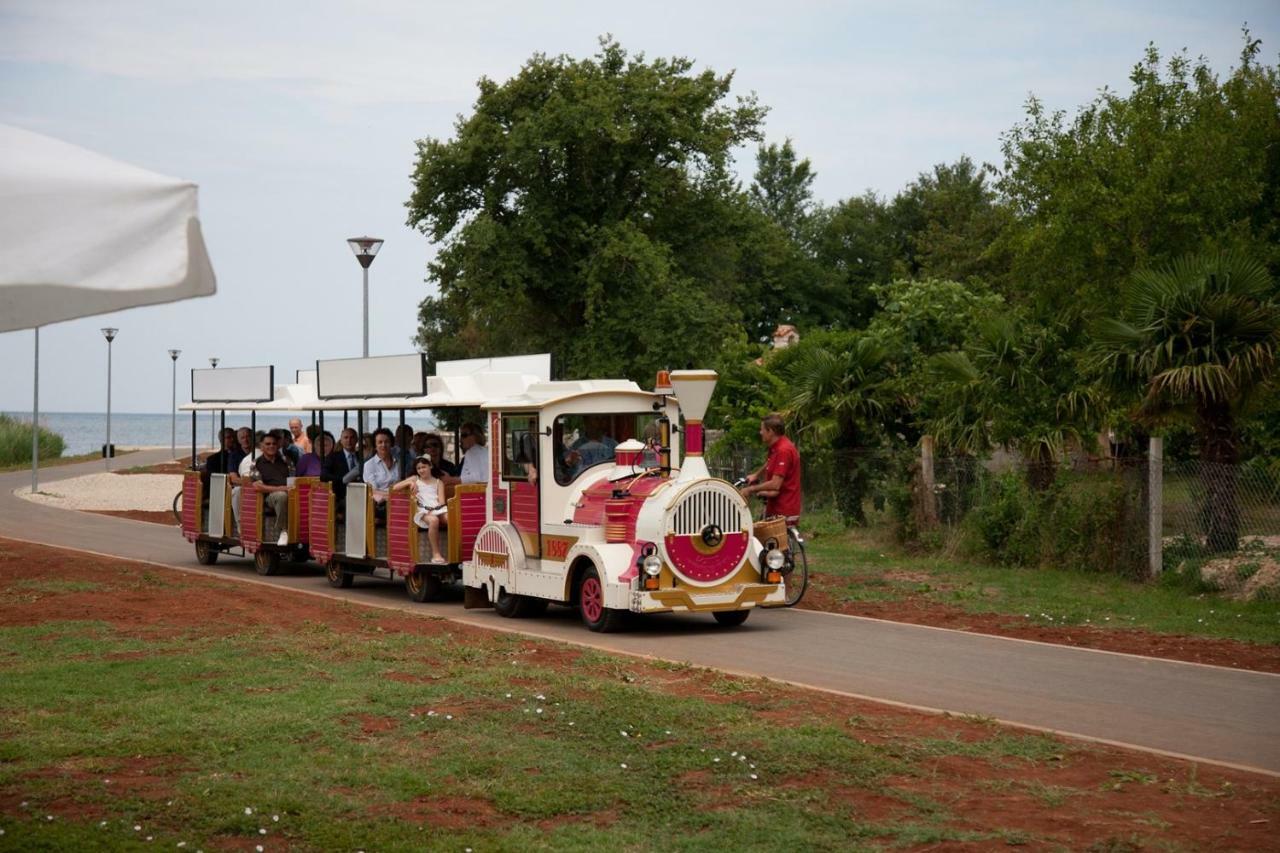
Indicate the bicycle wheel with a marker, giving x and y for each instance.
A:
(795, 575)
(177, 507)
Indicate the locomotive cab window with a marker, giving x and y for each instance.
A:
(582, 442)
(519, 446)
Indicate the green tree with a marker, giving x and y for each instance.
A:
(1183, 162)
(783, 187)
(837, 401)
(586, 207)
(1013, 385)
(854, 244)
(1197, 340)
(946, 225)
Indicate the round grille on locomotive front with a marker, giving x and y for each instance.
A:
(708, 531)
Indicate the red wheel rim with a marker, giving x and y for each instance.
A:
(592, 600)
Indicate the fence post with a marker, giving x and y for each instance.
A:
(1155, 505)
(929, 498)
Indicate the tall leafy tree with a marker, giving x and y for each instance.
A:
(1197, 340)
(587, 207)
(1184, 161)
(783, 187)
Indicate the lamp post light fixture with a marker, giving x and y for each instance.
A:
(365, 250)
(107, 450)
(173, 410)
(213, 435)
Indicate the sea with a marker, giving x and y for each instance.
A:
(86, 432)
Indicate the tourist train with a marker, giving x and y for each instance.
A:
(597, 495)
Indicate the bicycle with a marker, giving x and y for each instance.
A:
(795, 566)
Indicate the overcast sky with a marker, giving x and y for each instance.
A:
(298, 122)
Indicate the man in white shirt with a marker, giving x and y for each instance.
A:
(242, 476)
(475, 458)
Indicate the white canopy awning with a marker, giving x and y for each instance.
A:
(82, 234)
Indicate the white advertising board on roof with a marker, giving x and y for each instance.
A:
(538, 365)
(305, 377)
(233, 384)
(377, 376)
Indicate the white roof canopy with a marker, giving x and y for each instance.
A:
(82, 234)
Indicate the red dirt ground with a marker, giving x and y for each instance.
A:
(919, 610)
(1089, 796)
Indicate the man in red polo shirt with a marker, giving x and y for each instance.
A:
(778, 480)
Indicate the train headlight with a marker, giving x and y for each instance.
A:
(775, 559)
(652, 565)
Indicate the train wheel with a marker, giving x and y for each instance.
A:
(422, 585)
(336, 576)
(731, 618)
(511, 606)
(266, 562)
(595, 615)
(206, 554)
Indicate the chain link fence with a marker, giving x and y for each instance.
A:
(1219, 526)
(1223, 522)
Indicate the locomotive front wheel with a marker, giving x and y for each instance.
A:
(422, 585)
(206, 554)
(336, 576)
(595, 615)
(731, 618)
(266, 562)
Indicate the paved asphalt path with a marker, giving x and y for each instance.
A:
(1213, 714)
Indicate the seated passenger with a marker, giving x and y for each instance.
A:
(434, 450)
(311, 464)
(404, 454)
(301, 439)
(475, 458)
(380, 470)
(273, 481)
(221, 462)
(428, 492)
(244, 474)
(342, 466)
(244, 444)
(594, 447)
(286, 447)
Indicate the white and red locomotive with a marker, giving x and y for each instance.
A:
(584, 507)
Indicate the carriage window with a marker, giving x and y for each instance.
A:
(519, 446)
(581, 442)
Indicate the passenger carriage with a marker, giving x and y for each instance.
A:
(363, 542)
(208, 516)
(590, 504)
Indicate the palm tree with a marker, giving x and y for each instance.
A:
(1013, 386)
(1196, 339)
(835, 402)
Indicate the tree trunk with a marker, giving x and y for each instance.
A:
(1220, 457)
(1041, 468)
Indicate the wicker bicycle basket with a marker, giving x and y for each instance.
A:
(772, 528)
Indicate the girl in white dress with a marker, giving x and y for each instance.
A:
(428, 491)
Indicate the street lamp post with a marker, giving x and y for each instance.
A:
(108, 452)
(213, 441)
(173, 410)
(365, 249)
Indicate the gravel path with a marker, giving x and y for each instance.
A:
(151, 492)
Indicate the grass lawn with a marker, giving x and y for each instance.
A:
(862, 565)
(61, 460)
(146, 708)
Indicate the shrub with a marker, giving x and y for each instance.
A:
(15, 442)
(1089, 522)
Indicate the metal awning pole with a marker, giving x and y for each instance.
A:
(35, 421)
(194, 425)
